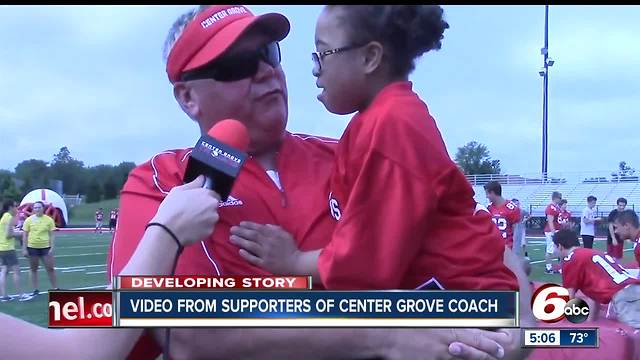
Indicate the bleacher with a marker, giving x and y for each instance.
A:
(534, 191)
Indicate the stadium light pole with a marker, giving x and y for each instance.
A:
(544, 72)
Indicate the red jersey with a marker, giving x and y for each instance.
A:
(505, 217)
(404, 211)
(553, 210)
(564, 218)
(597, 275)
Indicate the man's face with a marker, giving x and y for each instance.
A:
(556, 200)
(560, 250)
(621, 206)
(591, 204)
(625, 232)
(259, 102)
(491, 196)
(563, 206)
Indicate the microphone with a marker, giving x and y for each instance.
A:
(219, 156)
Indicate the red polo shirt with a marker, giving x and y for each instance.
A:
(304, 165)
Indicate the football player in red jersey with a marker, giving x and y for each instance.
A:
(506, 214)
(550, 227)
(564, 217)
(627, 227)
(600, 277)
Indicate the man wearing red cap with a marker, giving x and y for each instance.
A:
(224, 62)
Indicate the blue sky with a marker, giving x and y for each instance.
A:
(92, 78)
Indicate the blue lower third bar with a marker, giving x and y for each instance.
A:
(318, 309)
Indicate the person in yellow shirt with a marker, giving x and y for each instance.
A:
(38, 242)
(8, 258)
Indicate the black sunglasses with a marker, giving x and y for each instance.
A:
(237, 66)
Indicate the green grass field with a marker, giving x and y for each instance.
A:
(84, 214)
(81, 264)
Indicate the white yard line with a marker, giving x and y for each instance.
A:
(80, 288)
(79, 246)
(97, 272)
(70, 267)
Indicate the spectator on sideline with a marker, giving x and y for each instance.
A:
(587, 222)
(8, 257)
(38, 242)
(614, 244)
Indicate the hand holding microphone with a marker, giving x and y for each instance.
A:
(219, 156)
(190, 211)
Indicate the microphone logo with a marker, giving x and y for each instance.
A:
(221, 155)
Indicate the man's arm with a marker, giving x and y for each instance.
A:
(612, 229)
(586, 218)
(52, 236)
(11, 233)
(550, 222)
(25, 238)
(388, 344)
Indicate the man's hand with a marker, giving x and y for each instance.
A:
(266, 246)
(439, 344)
(388, 344)
(190, 210)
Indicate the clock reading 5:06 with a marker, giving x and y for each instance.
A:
(541, 337)
(555, 337)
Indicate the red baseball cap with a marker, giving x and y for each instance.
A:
(213, 31)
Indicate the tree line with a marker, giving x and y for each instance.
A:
(101, 182)
(474, 158)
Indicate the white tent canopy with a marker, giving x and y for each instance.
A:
(48, 197)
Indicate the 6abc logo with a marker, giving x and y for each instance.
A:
(550, 303)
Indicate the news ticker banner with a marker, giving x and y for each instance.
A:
(198, 302)
(561, 337)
